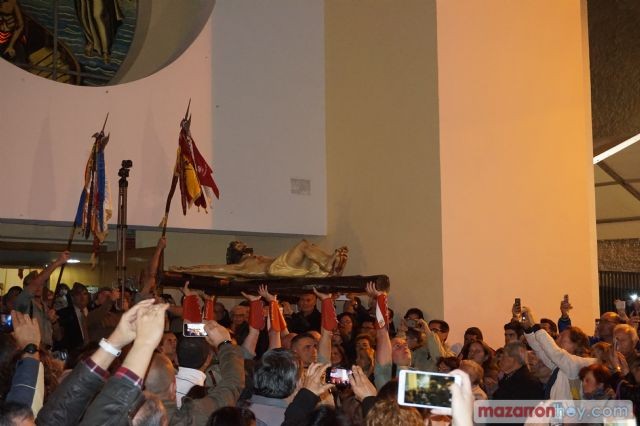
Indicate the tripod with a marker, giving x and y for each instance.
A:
(121, 235)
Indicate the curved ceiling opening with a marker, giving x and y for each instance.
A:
(98, 42)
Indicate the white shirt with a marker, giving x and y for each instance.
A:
(185, 380)
(81, 314)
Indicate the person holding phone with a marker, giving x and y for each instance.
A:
(565, 358)
(394, 354)
(625, 341)
(517, 382)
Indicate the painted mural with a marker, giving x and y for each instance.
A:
(82, 42)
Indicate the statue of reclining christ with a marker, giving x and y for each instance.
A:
(303, 260)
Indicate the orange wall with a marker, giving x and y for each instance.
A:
(515, 142)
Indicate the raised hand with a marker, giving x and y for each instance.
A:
(250, 297)
(314, 379)
(25, 329)
(150, 325)
(528, 320)
(321, 296)
(422, 326)
(360, 384)
(461, 400)
(372, 291)
(63, 258)
(186, 290)
(126, 330)
(264, 292)
(216, 333)
(565, 307)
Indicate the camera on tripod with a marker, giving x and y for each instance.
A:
(124, 170)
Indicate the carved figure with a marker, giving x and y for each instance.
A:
(303, 260)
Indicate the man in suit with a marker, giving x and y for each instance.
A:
(73, 320)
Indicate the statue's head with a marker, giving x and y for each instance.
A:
(236, 251)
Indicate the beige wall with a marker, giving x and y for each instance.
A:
(515, 143)
(382, 151)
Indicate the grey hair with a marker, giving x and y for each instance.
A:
(277, 374)
(517, 351)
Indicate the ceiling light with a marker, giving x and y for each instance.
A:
(73, 261)
(622, 145)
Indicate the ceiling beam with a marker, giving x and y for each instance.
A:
(634, 180)
(615, 176)
(618, 220)
(56, 247)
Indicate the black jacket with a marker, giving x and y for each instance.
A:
(72, 332)
(519, 385)
(299, 323)
(116, 401)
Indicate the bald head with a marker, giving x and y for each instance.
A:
(161, 378)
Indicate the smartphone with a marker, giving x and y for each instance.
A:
(337, 376)
(518, 305)
(566, 298)
(411, 323)
(195, 329)
(425, 389)
(6, 322)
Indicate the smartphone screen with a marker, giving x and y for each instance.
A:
(194, 330)
(337, 376)
(6, 322)
(425, 389)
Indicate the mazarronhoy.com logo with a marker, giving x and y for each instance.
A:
(554, 411)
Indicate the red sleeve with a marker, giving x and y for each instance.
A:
(256, 315)
(209, 312)
(191, 309)
(329, 318)
(382, 315)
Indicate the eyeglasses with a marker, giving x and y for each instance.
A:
(436, 330)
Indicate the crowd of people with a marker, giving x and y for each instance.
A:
(68, 358)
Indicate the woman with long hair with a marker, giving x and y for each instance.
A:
(483, 355)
